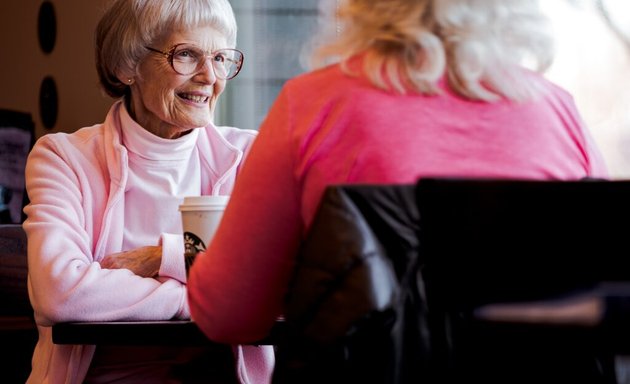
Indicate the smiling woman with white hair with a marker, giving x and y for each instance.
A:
(104, 230)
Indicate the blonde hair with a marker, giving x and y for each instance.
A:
(128, 26)
(479, 45)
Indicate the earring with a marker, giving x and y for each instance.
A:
(129, 81)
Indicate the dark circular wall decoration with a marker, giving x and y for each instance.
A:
(48, 102)
(47, 27)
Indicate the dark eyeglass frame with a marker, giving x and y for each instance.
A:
(171, 51)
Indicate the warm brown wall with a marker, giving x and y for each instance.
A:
(23, 65)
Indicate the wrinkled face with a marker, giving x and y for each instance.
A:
(169, 104)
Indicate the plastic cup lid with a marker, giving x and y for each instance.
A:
(203, 202)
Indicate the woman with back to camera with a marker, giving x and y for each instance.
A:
(104, 230)
(406, 89)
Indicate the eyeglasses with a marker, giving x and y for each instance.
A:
(187, 59)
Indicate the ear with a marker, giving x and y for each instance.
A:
(125, 78)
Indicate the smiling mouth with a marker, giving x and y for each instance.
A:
(194, 98)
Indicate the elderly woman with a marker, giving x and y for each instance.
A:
(104, 231)
(410, 88)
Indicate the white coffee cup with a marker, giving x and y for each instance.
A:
(201, 216)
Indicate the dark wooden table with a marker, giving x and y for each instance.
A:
(134, 333)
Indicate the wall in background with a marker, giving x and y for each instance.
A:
(71, 64)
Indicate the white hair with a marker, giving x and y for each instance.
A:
(480, 46)
(128, 26)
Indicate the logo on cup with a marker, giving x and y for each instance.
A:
(193, 244)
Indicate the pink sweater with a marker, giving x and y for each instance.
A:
(76, 184)
(327, 128)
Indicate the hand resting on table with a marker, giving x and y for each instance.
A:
(143, 261)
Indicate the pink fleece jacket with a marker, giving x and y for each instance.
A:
(76, 185)
(329, 128)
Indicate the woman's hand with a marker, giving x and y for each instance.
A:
(143, 261)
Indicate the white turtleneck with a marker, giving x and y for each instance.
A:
(161, 172)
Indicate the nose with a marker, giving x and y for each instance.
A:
(206, 72)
